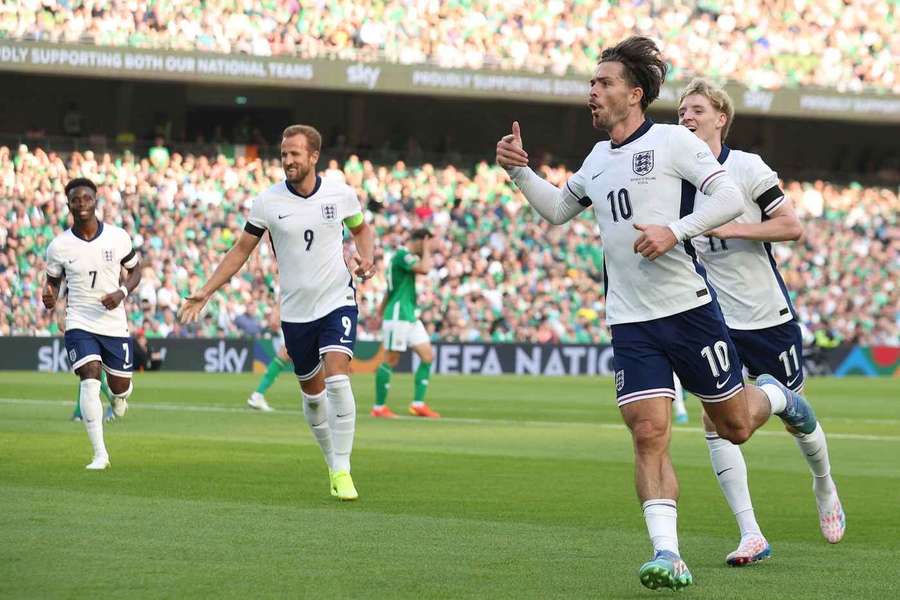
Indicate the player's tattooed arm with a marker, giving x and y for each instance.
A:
(51, 292)
(132, 279)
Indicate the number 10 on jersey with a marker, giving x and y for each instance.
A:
(623, 202)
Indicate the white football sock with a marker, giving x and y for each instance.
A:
(815, 451)
(678, 404)
(776, 397)
(315, 409)
(731, 472)
(92, 414)
(341, 419)
(661, 516)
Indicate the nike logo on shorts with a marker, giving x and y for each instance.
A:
(283, 216)
(343, 341)
(792, 381)
(719, 386)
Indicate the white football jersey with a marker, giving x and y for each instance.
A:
(743, 272)
(651, 178)
(92, 269)
(308, 239)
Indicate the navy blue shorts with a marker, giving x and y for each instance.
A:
(777, 351)
(307, 342)
(115, 353)
(694, 344)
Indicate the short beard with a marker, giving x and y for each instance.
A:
(613, 116)
(301, 175)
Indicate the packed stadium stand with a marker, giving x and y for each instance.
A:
(845, 44)
(501, 273)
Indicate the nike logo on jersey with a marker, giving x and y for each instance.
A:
(598, 174)
(723, 470)
(343, 341)
(283, 216)
(719, 386)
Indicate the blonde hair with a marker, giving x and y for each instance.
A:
(716, 95)
(312, 135)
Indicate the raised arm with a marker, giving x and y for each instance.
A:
(423, 267)
(554, 204)
(231, 264)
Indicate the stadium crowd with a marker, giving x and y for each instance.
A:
(845, 44)
(501, 274)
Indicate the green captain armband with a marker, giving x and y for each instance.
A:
(354, 220)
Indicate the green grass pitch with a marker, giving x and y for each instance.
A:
(524, 491)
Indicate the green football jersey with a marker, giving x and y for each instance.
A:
(401, 292)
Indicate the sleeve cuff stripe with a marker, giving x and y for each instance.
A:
(254, 230)
(708, 179)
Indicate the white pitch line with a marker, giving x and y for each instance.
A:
(474, 421)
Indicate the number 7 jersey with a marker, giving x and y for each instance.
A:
(308, 238)
(651, 179)
(92, 269)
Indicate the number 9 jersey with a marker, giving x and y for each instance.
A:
(308, 238)
(651, 178)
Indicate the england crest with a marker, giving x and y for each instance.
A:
(108, 254)
(329, 213)
(620, 380)
(642, 162)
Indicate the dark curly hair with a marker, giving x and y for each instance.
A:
(643, 65)
(80, 182)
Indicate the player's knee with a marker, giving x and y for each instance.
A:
(314, 386)
(736, 434)
(392, 358)
(90, 370)
(649, 434)
(122, 391)
(120, 386)
(708, 424)
(425, 353)
(337, 363)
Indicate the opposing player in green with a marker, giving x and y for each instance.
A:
(402, 328)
